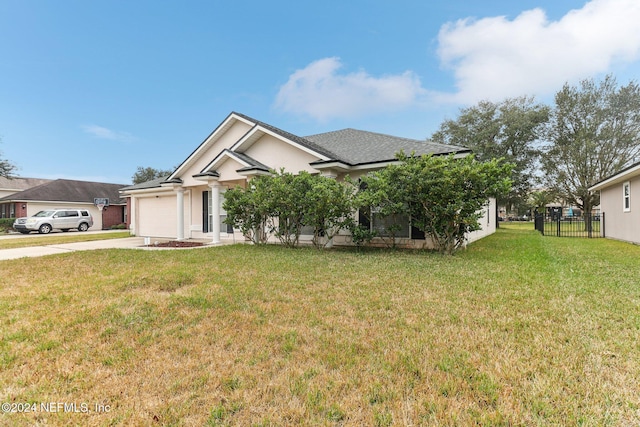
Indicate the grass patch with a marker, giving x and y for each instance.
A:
(57, 239)
(518, 329)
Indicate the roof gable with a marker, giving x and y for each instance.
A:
(262, 128)
(247, 162)
(210, 140)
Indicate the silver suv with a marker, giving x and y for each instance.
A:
(60, 219)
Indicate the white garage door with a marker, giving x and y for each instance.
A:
(157, 217)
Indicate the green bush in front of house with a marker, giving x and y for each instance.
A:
(6, 224)
(283, 203)
(442, 196)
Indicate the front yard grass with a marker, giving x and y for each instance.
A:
(518, 329)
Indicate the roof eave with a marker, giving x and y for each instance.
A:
(620, 177)
(253, 171)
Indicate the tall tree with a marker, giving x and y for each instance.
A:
(147, 174)
(6, 168)
(593, 133)
(510, 129)
(538, 200)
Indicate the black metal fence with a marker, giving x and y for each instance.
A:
(584, 226)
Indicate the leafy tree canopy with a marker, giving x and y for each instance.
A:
(593, 133)
(147, 174)
(7, 169)
(539, 199)
(510, 129)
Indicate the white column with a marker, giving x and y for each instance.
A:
(133, 213)
(180, 206)
(215, 212)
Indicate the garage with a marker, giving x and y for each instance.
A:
(157, 216)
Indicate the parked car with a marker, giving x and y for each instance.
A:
(54, 219)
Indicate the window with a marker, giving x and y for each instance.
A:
(374, 221)
(383, 224)
(626, 196)
(207, 213)
(308, 230)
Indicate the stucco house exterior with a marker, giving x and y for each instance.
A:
(620, 202)
(67, 193)
(188, 203)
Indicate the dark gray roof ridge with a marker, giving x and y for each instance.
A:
(364, 147)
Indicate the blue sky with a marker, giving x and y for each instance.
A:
(92, 89)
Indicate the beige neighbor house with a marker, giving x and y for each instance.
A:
(620, 203)
(188, 203)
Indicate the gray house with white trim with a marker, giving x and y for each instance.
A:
(620, 202)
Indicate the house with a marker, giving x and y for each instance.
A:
(9, 186)
(188, 203)
(62, 193)
(617, 204)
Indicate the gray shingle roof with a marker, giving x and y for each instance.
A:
(19, 183)
(67, 190)
(147, 184)
(355, 147)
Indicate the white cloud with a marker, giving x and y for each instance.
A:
(493, 58)
(104, 133)
(319, 91)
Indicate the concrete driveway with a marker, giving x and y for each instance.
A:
(35, 251)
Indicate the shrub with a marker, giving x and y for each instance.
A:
(283, 203)
(6, 224)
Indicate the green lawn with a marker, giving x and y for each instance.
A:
(518, 329)
(58, 238)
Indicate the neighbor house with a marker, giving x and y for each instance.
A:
(67, 193)
(188, 203)
(9, 186)
(617, 195)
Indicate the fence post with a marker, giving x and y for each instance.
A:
(558, 225)
(602, 224)
(539, 223)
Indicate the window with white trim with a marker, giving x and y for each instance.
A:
(207, 213)
(626, 196)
